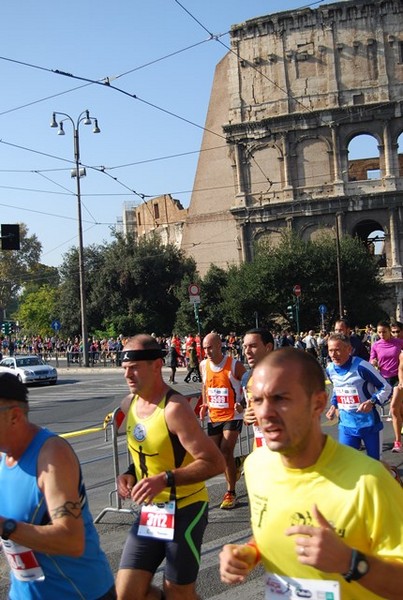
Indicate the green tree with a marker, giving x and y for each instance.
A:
(69, 308)
(213, 308)
(40, 275)
(249, 293)
(16, 267)
(37, 311)
(137, 285)
(266, 284)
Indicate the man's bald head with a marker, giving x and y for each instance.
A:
(309, 370)
(142, 341)
(212, 347)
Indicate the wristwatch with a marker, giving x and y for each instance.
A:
(170, 479)
(9, 526)
(359, 567)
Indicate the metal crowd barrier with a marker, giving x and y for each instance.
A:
(114, 421)
(104, 358)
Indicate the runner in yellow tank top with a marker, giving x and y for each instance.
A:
(172, 457)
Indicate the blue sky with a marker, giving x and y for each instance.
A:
(98, 40)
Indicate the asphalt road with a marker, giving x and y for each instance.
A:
(80, 401)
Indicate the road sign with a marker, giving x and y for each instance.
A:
(56, 326)
(297, 289)
(194, 293)
(323, 309)
(194, 290)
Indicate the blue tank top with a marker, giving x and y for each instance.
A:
(88, 577)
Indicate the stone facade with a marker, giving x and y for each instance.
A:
(163, 215)
(296, 88)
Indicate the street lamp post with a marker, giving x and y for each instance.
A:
(338, 267)
(85, 118)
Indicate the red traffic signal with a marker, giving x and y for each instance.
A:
(296, 290)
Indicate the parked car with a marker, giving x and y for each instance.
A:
(30, 369)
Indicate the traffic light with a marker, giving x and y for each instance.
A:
(290, 311)
(10, 237)
(6, 328)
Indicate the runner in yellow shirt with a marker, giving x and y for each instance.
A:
(327, 520)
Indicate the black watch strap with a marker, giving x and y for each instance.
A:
(358, 566)
(9, 526)
(170, 479)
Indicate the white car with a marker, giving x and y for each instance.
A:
(30, 369)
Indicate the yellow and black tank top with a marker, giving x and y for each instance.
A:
(154, 449)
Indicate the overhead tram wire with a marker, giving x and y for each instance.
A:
(47, 214)
(104, 170)
(217, 38)
(111, 168)
(142, 196)
(157, 60)
(52, 181)
(10, 110)
(103, 80)
(106, 82)
(98, 169)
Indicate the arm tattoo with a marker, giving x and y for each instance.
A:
(71, 509)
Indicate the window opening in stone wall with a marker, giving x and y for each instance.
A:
(138, 219)
(373, 237)
(400, 52)
(156, 211)
(363, 158)
(358, 99)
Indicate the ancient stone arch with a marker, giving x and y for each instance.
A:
(299, 87)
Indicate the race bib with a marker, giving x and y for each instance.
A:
(291, 588)
(218, 397)
(158, 521)
(347, 397)
(259, 437)
(22, 562)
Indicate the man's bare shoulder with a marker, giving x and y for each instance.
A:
(179, 407)
(125, 404)
(56, 453)
(177, 399)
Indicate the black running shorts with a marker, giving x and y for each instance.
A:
(220, 426)
(182, 553)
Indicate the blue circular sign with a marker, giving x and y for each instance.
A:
(323, 309)
(56, 325)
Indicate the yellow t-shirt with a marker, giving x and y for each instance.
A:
(353, 492)
(154, 450)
